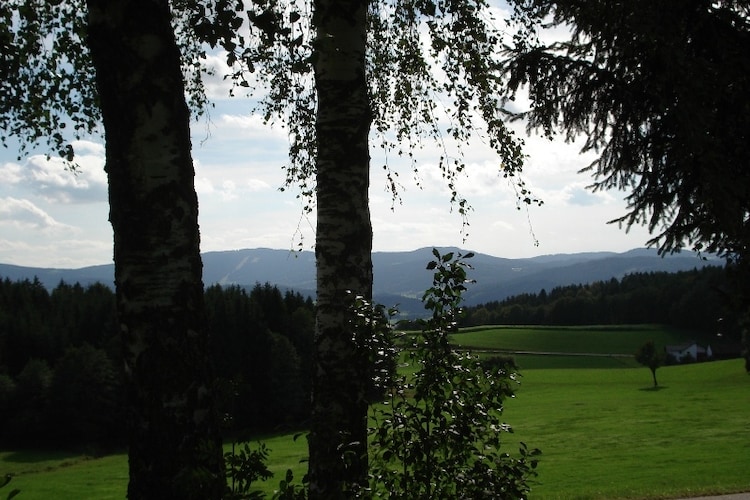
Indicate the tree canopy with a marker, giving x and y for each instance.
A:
(650, 356)
(47, 77)
(330, 74)
(659, 90)
(431, 77)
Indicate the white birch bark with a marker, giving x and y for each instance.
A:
(174, 443)
(338, 437)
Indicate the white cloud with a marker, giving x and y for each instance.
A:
(203, 186)
(50, 180)
(250, 126)
(257, 185)
(219, 85)
(501, 225)
(86, 149)
(251, 122)
(578, 194)
(216, 86)
(55, 182)
(11, 173)
(21, 213)
(228, 191)
(57, 253)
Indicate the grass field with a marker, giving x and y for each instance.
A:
(603, 431)
(535, 347)
(45, 475)
(608, 434)
(63, 476)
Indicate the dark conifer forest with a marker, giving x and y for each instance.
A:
(60, 379)
(693, 300)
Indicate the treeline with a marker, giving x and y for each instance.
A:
(689, 299)
(61, 374)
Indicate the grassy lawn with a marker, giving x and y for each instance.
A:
(603, 431)
(45, 475)
(608, 434)
(287, 451)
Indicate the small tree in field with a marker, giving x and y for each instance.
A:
(649, 355)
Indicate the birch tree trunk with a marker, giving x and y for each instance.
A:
(338, 435)
(174, 442)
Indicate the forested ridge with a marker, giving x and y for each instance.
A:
(694, 300)
(60, 378)
(61, 374)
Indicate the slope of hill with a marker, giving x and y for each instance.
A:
(401, 277)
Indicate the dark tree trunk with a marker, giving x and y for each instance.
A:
(174, 442)
(338, 435)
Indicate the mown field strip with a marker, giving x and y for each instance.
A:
(606, 339)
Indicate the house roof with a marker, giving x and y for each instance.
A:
(681, 347)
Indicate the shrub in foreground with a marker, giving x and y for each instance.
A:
(440, 433)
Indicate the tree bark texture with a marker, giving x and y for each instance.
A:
(174, 441)
(338, 435)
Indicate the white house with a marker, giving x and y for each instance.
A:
(690, 349)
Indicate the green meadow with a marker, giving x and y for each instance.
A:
(44, 475)
(604, 432)
(535, 347)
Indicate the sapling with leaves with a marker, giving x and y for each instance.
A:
(440, 433)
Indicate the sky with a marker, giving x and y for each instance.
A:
(51, 217)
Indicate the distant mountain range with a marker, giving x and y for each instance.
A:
(401, 277)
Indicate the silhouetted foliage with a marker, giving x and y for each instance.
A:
(658, 90)
(246, 466)
(84, 398)
(440, 433)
